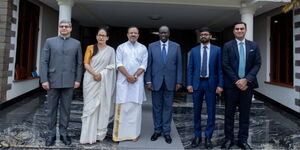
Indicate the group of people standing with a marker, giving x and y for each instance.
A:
(209, 71)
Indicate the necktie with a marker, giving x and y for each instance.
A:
(204, 62)
(164, 53)
(242, 61)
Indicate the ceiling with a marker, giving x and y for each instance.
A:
(153, 13)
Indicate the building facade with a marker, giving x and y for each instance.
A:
(25, 24)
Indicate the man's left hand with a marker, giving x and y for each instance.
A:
(219, 90)
(178, 86)
(76, 85)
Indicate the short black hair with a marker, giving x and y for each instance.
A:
(240, 22)
(205, 29)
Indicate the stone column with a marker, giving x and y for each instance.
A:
(247, 14)
(6, 12)
(65, 9)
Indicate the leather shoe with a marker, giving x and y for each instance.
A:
(168, 139)
(50, 140)
(227, 144)
(196, 142)
(243, 145)
(208, 144)
(155, 136)
(65, 139)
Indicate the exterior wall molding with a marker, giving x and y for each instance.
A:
(296, 23)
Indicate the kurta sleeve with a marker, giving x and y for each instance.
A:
(119, 57)
(144, 59)
(88, 54)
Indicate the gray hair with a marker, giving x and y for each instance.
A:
(65, 21)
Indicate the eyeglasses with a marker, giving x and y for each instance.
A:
(204, 34)
(65, 26)
(103, 36)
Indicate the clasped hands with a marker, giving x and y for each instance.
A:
(131, 79)
(242, 84)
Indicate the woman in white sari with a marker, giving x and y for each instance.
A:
(98, 88)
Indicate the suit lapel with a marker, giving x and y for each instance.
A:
(197, 57)
(211, 53)
(236, 50)
(158, 50)
(247, 52)
(247, 49)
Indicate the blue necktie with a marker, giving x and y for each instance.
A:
(164, 53)
(242, 61)
(204, 62)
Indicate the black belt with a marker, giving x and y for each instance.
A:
(202, 78)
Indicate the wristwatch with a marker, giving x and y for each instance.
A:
(135, 76)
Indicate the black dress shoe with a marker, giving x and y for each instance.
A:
(208, 144)
(227, 144)
(50, 141)
(65, 139)
(168, 139)
(196, 142)
(155, 136)
(243, 145)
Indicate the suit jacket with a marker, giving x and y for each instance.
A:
(157, 71)
(61, 62)
(231, 63)
(215, 68)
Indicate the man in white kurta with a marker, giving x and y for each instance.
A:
(131, 60)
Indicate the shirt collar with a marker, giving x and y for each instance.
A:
(208, 46)
(167, 42)
(62, 37)
(238, 41)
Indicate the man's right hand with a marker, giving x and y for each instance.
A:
(149, 87)
(190, 89)
(46, 85)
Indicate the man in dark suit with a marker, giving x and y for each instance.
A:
(163, 77)
(204, 77)
(241, 62)
(61, 70)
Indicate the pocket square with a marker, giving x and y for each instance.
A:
(251, 50)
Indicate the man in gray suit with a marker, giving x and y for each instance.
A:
(61, 70)
(163, 77)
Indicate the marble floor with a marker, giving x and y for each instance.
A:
(23, 126)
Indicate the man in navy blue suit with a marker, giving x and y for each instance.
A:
(241, 62)
(204, 77)
(163, 77)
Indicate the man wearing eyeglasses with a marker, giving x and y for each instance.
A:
(204, 78)
(61, 70)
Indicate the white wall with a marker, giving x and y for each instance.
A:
(283, 95)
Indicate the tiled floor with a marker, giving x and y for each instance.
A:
(22, 125)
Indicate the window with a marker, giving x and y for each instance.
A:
(27, 40)
(281, 39)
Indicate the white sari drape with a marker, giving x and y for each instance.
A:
(98, 96)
